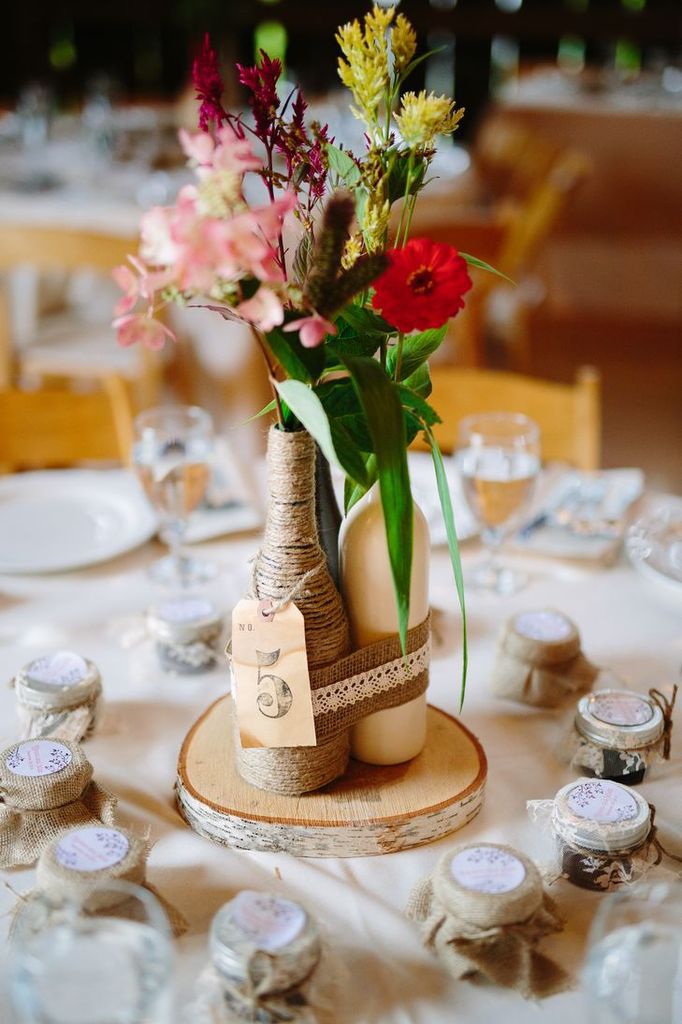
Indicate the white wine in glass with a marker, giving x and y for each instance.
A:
(172, 457)
(498, 460)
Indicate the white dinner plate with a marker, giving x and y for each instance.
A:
(54, 520)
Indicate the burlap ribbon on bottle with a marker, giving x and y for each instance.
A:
(35, 810)
(539, 672)
(491, 934)
(61, 883)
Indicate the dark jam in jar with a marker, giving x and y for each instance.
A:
(622, 730)
(598, 826)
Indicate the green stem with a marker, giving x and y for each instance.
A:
(271, 375)
(406, 201)
(382, 352)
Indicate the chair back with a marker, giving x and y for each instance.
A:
(568, 415)
(44, 429)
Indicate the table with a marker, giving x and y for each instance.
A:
(386, 977)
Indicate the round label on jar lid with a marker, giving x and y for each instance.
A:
(38, 757)
(92, 848)
(621, 708)
(602, 801)
(62, 668)
(185, 609)
(487, 869)
(268, 921)
(545, 625)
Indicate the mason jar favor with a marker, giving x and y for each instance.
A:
(187, 633)
(603, 834)
(59, 695)
(619, 734)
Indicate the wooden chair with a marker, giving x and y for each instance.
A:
(44, 429)
(80, 355)
(569, 415)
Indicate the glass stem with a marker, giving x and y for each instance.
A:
(174, 535)
(492, 538)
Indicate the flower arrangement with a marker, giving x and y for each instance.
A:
(346, 315)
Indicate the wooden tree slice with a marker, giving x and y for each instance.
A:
(371, 810)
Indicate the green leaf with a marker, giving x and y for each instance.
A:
(343, 164)
(342, 406)
(414, 401)
(420, 381)
(403, 165)
(270, 407)
(302, 258)
(474, 261)
(417, 61)
(299, 363)
(309, 410)
(453, 547)
(352, 492)
(416, 350)
(366, 321)
(381, 403)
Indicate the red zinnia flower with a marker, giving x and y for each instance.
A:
(423, 285)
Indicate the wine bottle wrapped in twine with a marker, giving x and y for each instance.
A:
(291, 566)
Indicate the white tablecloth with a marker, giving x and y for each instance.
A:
(626, 622)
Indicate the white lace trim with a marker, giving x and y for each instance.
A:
(348, 692)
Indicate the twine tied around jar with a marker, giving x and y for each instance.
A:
(491, 933)
(37, 808)
(667, 707)
(541, 670)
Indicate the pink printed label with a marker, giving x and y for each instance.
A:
(600, 800)
(487, 869)
(621, 709)
(92, 848)
(63, 668)
(267, 921)
(38, 757)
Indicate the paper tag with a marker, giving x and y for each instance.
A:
(92, 848)
(487, 869)
(543, 625)
(185, 609)
(601, 800)
(63, 668)
(621, 709)
(38, 757)
(267, 921)
(270, 666)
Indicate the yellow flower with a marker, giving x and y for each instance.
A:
(423, 116)
(352, 251)
(375, 222)
(403, 43)
(365, 69)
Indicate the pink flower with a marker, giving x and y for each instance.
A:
(146, 330)
(270, 217)
(157, 244)
(312, 329)
(233, 153)
(209, 85)
(129, 285)
(263, 309)
(198, 147)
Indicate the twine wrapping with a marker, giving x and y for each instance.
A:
(63, 883)
(291, 564)
(35, 810)
(667, 707)
(540, 672)
(491, 934)
(59, 712)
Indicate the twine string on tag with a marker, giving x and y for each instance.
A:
(666, 705)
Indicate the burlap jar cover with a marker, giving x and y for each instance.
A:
(539, 660)
(611, 736)
(59, 695)
(483, 911)
(46, 787)
(265, 956)
(77, 865)
(345, 687)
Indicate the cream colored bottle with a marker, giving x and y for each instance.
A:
(396, 734)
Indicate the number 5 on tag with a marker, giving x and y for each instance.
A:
(272, 684)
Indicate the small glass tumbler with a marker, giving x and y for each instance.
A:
(633, 968)
(104, 960)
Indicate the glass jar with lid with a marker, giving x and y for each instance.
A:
(618, 734)
(187, 632)
(603, 834)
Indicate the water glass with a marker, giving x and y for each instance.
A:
(633, 968)
(172, 455)
(106, 959)
(498, 460)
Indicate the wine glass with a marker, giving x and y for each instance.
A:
(499, 460)
(172, 455)
(633, 969)
(105, 958)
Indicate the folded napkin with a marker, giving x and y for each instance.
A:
(581, 516)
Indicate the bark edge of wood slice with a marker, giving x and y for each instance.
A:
(371, 810)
